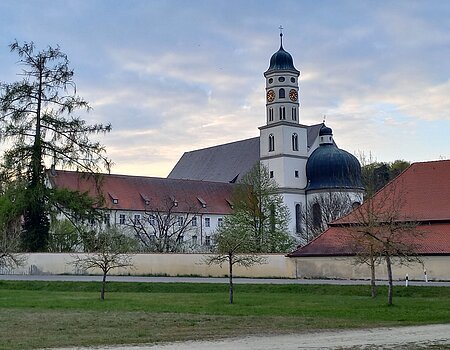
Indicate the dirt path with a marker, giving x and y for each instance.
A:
(417, 337)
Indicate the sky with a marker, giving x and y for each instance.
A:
(175, 76)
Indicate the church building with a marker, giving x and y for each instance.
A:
(304, 161)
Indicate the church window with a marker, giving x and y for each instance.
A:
(298, 218)
(281, 93)
(271, 143)
(270, 114)
(294, 142)
(270, 80)
(294, 113)
(281, 79)
(271, 174)
(292, 80)
(207, 222)
(317, 215)
(282, 113)
(296, 173)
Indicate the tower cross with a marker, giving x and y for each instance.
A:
(281, 34)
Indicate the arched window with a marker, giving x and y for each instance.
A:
(294, 142)
(294, 113)
(270, 114)
(317, 215)
(282, 113)
(281, 93)
(271, 143)
(298, 218)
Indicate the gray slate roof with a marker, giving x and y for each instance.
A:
(225, 163)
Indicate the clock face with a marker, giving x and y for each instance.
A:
(270, 96)
(293, 95)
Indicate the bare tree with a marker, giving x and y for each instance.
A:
(381, 231)
(161, 228)
(111, 250)
(320, 211)
(233, 247)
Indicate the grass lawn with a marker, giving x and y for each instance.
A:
(54, 314)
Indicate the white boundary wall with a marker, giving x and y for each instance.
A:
(278, 266)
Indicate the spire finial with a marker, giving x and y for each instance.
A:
(281, 35)
(324, 118)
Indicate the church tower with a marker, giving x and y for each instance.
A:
(283, 140)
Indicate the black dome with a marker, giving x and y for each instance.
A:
(329, 167)
(325, 130)
(281, 60)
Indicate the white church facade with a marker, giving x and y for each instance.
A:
(303, 160)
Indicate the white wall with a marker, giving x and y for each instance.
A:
(277, 266)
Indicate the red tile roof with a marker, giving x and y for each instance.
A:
(424, 189)
(132, 192)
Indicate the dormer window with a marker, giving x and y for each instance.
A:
(114, 198)
(202, 202)
(145, 199)
(174, 202)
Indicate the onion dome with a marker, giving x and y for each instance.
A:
(281, 60)
(329, 167)
(325, 130)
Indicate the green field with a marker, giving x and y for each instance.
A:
(52, 314)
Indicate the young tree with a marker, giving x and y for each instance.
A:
(110, 250)
(233, 246)
(10, 227)
(37, 121)
(260, 214)
(380, 231)
(162, 227)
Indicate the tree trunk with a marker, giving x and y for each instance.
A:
(373, 286)
(389, 271)
(230, 275)
(102, 293)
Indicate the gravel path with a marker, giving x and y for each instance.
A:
(417, 337)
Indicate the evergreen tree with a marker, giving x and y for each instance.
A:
(38, 125)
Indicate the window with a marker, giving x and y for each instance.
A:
(298, 218)
(152, 220)
(282, 113)
(317, 215)
(207, 240)
(180, 220)
(270, 114)
(194, 221)
(271, 174)
(207, 222)
(292, 80)
(294, 113)
(270, 80)
(294, 142)
(194, 240)
(107, 219)
(219, 222)
(137, 219)
(122, 219)
(180, 238)
(281, 93)
(281, 79)
(296, 173)
(271, 143)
